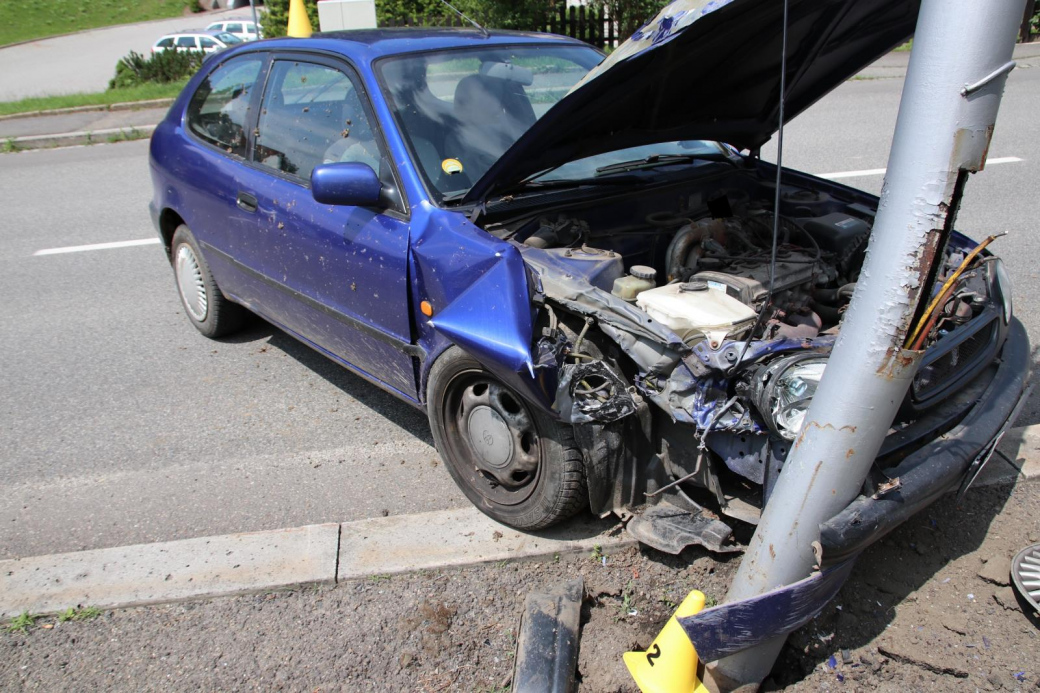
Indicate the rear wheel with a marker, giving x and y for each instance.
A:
(515, 463)
(206, 308)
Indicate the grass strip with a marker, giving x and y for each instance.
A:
(22, 20)
(143, 92)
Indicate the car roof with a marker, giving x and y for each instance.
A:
(371, 44)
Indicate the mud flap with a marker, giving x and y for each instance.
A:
(547, 649)
(671, 529)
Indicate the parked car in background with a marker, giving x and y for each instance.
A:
(204, 41)
(566, 260)
(244, 29)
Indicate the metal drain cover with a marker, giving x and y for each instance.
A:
(1025, 572)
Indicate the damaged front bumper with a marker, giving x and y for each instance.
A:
(941, 464)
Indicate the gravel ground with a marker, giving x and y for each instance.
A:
(927, 609)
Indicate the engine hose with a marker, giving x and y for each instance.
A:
(685, 242)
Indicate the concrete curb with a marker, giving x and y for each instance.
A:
(459, 538)
(120, 106)
(70, 139)
(170, 571)
(262, 561)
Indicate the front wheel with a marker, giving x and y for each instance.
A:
(515, 463)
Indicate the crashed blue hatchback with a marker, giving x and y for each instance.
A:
(565, 260)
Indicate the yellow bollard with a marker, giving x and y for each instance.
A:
(299, 23)
(670, 665)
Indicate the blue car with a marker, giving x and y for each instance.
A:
(564, 259)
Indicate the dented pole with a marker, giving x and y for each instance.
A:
(958, 67)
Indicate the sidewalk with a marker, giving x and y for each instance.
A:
(61, 129)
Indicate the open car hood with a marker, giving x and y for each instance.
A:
(706, 70)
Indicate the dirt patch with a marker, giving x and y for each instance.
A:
(926, 609)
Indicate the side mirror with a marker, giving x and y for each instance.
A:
(346, 184)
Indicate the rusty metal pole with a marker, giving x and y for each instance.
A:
(958, 67)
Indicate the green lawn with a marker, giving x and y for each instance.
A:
(29, 19)
(101, 98)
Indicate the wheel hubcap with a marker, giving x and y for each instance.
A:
(496, 439)
(190, 283)
(489, 436)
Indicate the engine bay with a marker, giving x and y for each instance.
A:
(665, 317)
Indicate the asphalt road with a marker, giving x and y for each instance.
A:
(85, 61)
(120, 424)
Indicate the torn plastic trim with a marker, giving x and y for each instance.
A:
(736, 626)
(590, 391)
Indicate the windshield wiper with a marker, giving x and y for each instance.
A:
(655, 160)
(571, 183)
(538, 185)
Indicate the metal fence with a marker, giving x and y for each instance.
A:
(588, 24)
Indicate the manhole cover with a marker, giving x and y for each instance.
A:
(1025, 571)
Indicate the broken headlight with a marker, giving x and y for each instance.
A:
(783, 389)
(1003, 282)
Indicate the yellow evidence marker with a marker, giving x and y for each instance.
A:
(670, 665)
(451, 166)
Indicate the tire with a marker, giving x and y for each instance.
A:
(206, 307)
(514, 462)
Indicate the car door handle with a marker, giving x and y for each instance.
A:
(246, 202)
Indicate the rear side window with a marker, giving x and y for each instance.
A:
(234, 28)
(219, 111)
(166, 42)
(186, 42)
(313, 114)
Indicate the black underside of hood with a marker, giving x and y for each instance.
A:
(711, 71)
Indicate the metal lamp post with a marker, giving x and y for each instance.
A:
(960, 60)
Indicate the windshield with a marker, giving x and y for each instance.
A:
(460, 110)
(228, 39)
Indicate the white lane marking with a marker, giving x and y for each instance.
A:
(881, 171)
(96, 246)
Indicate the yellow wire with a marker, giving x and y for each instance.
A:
(949, 282)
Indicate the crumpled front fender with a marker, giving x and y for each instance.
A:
(477, 287)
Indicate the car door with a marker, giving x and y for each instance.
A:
(336, 276)
(209, 45)
(219, 121)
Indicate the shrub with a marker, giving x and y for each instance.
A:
(168, 66)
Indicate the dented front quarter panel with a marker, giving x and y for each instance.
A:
(477, 287)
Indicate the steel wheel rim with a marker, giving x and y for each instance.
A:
(191, 284)
(493, 440)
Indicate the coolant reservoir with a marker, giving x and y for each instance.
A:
(692, 309)
(640, 278)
